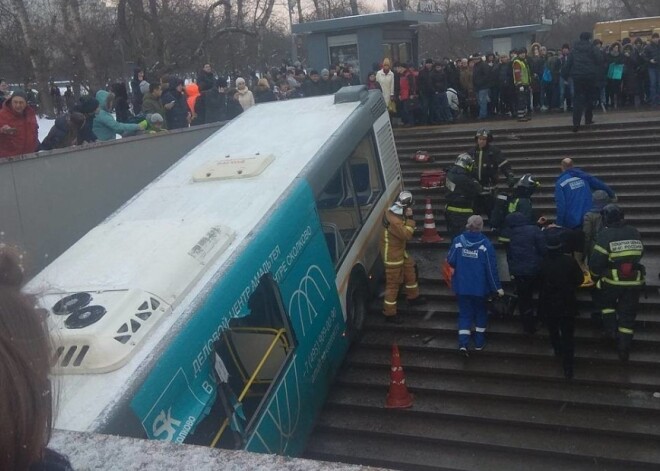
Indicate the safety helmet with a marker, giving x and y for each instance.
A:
(405, 199)
(483, 132)
(466, 161)
(611, 214)
(527, 181)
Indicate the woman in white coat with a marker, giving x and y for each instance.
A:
(385, 77)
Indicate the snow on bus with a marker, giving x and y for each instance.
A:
(216, 305)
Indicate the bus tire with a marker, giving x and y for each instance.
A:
(357, 305)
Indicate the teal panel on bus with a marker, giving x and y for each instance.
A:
(180, 389)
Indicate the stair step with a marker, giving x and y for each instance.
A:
(515, 388)
(419, 454)
(639, 377)
(557, 429)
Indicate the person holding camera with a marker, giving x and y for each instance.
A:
(399, 227)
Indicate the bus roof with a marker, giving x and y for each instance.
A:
(125, 263)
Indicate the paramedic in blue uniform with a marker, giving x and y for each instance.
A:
(475, 278)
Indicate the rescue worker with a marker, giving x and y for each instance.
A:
(475, 277)
(399, 227)
(520, 202)
(522, 81)
(615, 261)
(462, 189)
(488, 165)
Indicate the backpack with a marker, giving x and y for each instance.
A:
(547, 75)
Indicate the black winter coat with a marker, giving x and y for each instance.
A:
(559, 277)
(52, 461)
(525, 245)
(57, 134)
(463, 187)
(177, 117)
(425, 82)
(439, 81)
(482, 76)
(211, 106)
(264, 96)
(652, 51)
(488, 164)
(584, 62)
(205, 81)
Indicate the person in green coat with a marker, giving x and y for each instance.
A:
(106, 126)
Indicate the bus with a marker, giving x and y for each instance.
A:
(611, 31)
(217, 304)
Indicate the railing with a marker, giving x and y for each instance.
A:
(280, 336)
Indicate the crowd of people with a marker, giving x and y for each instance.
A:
(588, 246)
(580, 77)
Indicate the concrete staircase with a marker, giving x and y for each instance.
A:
(509, 406)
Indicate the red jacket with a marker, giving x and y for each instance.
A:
(24, 140)
(407, 85)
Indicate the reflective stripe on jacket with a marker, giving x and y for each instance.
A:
(397, 232)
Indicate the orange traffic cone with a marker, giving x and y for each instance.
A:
(430, 234)
(398, 397)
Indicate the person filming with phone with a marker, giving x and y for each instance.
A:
(18, 126)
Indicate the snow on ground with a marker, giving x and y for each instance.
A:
(105, 452)
(44, 127)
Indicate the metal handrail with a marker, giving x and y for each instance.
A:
(279, 334)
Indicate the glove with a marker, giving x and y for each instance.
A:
(500, 292)
(510, 181)
(522, 89)
(143, 124)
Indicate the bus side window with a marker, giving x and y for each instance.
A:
(334, 241)
(334, 193)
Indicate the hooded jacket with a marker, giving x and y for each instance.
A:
(177, 116)
(573, 196)
(525, 245)
(245, 98)
(105, 126)
(192, 92)
(475, 267)
(24, 140)
(584, 62)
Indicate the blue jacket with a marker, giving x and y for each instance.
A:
(573, 196)
(105, 125)
(473, 258)
(525, 246)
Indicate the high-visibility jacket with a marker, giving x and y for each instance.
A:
(616, 256)
(396, 232)
(520, 72)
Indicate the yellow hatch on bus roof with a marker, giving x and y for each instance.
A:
(229, 167)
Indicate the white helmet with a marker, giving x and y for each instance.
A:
(465, 160)
(405, 199)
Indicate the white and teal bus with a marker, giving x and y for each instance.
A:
(216, 305)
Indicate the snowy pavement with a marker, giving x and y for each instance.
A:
(106, 452)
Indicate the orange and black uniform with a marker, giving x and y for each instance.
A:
(399, 266)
